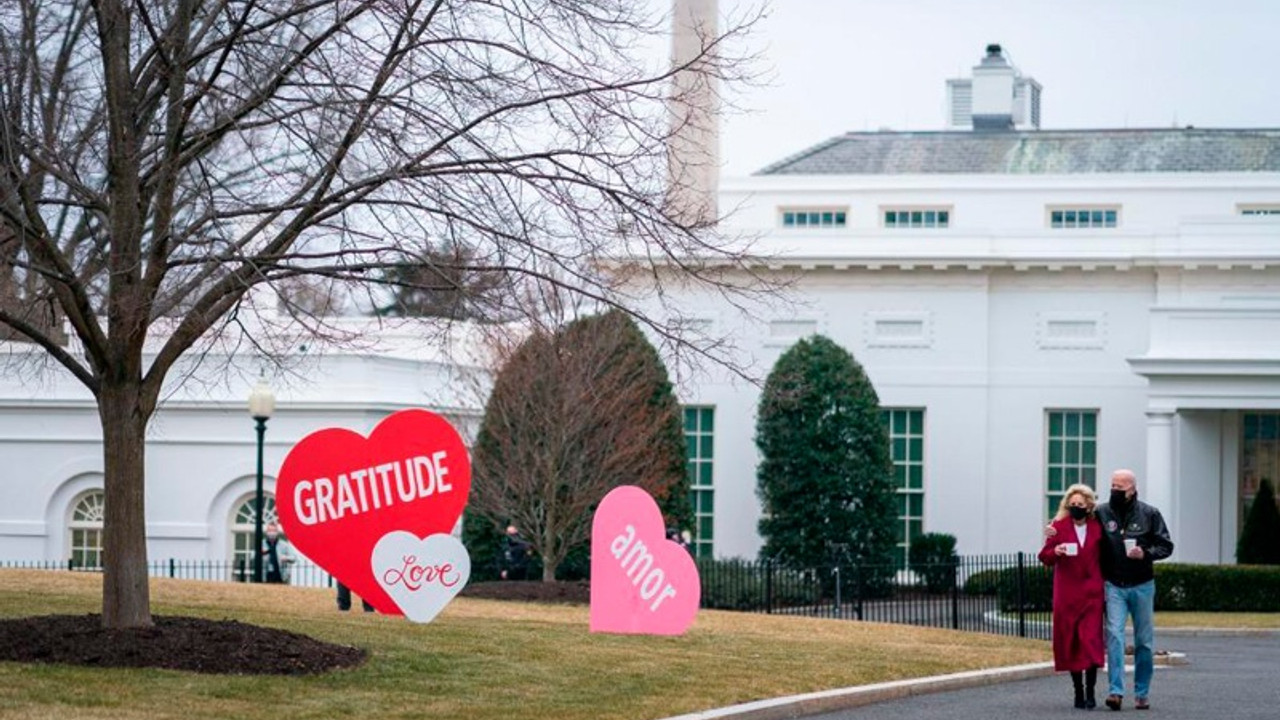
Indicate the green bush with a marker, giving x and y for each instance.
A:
(985, 582)
(1217, 588)
(737, 584)
(1260, 539)
(825, 477)
(933, 557)
(1037, 588)
(1179, 587)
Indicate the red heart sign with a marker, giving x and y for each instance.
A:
(338, 494)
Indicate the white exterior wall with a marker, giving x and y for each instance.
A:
(985, 373)
(201, 460)
(1183, 292)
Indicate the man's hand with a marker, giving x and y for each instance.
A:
(1049, 532)
(1136, 553)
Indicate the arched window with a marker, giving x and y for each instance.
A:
(242, 532)
(86, 530)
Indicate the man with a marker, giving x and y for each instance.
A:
(1134, 537)
(514, 555)
(344, 599)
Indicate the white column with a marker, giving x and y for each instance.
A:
(1157, 488)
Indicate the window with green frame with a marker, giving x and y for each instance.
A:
(699, 438)
(1071, 453)
(906, 440)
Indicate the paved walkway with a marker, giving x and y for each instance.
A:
(1228, 678)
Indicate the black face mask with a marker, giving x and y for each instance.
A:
(1119, 500)
(1078, 513)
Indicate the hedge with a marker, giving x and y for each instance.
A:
(1218, 588)
(932, 557)
(737, 584)
(1181, 587)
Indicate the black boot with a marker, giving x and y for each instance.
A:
(1077, 682)
(1090, 682)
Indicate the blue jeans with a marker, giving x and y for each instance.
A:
(1139, 602)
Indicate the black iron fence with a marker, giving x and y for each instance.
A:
(302, 574)
(1003, 594)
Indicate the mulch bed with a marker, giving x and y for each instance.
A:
(574, 593)
(176, 643)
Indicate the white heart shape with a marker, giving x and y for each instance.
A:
(421, 576)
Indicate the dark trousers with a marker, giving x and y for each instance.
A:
(344, 599)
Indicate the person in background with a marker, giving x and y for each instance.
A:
(344, 599)
(277, 556)
(1074, 551)
(680, 539)
(514, 555)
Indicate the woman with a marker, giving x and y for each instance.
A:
(1078, 600)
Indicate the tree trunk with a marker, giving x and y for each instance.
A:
(549, 570)
(126, 596)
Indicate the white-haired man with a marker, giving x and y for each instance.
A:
(1135, 536)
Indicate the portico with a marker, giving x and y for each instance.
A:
(1213, 419)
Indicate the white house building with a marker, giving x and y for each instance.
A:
(201, 463)
(1034, 307)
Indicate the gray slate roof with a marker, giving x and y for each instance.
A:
(1037, 152)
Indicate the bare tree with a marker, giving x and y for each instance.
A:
(573, 414)
(159, 159)
(443, 285)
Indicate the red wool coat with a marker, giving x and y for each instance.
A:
(1078, 598)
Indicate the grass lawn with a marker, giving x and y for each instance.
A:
(480, 660)
(1215, 620)
(1235, 620)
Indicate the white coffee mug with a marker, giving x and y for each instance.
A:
(1071, 548)
(1129, 544)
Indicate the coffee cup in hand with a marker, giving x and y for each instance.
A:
(1129, 545)
(1070, 549)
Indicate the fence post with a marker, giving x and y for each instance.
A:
(839, 603)
(955, 593)
(857, 589)
(173, 568)
(71, 564)
(768, 587)
(1022, 595)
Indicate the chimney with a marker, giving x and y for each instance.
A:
(693, 148)
(997, 98)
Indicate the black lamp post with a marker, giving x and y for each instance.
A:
(261, 404)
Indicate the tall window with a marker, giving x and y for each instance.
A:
(1072, 453)
(242, 528)
(86, 530)
(699, 436)
(906, 439)
(1084, 217)
(1259, 457)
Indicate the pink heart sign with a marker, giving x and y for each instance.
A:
(641, 583)
(421, 576)
(338, 494)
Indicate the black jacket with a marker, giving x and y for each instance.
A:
(1142, 522)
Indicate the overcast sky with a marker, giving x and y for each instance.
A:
(851, 65)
